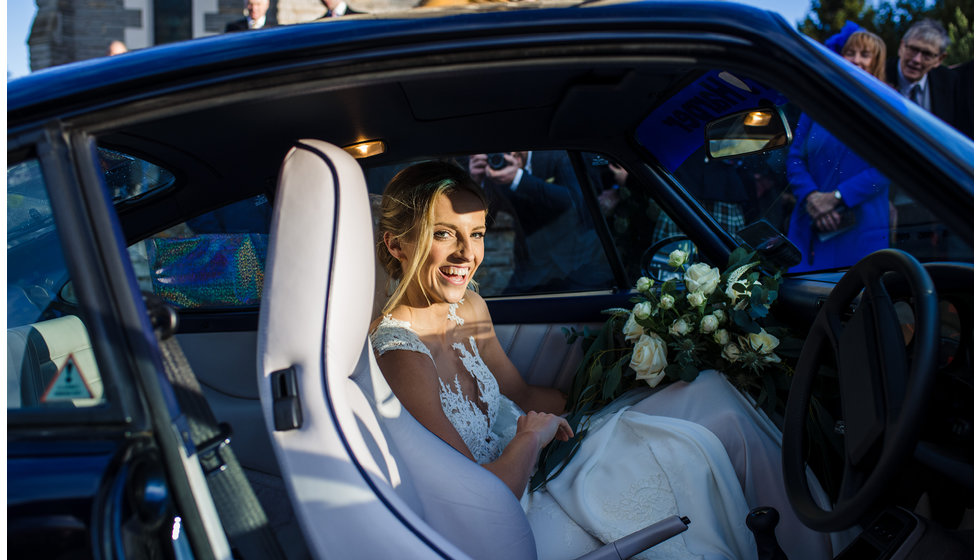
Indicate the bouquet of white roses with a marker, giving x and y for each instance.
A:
(677, 328)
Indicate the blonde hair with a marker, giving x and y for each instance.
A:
(407, 213)
(862, 40)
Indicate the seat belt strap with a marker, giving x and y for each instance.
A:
(242, 516)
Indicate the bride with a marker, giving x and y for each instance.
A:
(436, 346)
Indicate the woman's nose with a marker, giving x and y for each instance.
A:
(465, 248)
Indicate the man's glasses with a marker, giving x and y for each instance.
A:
(927, 56)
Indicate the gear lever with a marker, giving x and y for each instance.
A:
(762, 522)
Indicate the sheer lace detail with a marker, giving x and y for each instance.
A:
(473, 424)
(392, 334)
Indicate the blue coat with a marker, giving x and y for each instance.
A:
(819, 162)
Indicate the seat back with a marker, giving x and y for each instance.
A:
(365, 478)
(38, 369)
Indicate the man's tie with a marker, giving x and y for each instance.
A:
(915, 94)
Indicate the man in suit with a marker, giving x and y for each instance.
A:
(555, 245)
(919, 75)
(255, 17)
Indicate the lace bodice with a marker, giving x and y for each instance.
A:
(473, 425)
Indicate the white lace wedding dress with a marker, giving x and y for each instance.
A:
(635, 467)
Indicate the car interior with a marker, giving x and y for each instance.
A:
(302, 285)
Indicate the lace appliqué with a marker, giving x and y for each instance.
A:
(452, 316)
(473, 425)
(392, 334)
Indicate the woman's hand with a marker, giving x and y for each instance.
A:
(829, 221)
(545, 427)
(819, 203)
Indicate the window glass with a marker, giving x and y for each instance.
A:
(541, 237)
(213, 261)
(50, 362)
(833, 206)
(129, 178)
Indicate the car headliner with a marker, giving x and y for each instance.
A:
(222, 111)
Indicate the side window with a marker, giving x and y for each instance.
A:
(541, 236)
(50, 362)
(213, 261)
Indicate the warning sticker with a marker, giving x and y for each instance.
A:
(68, 384)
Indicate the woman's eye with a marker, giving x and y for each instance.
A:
(442, 234)
(479, 234)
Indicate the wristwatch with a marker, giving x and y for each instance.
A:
(837, 195)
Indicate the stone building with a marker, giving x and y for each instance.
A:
(70, 30)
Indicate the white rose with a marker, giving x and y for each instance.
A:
(763, 342)
(677, 258)
(632, 330)
(721, 337)
(720, 315)
(696, 299)
(644, 284)
(642, 310)
(709, 323)
(680, 327)
(667, 301)
(649, 359)
(701, 278)
(731, 352)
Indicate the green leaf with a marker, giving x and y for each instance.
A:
(744, 322)
(613, 377)
(689, 373)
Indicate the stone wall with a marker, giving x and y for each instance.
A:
(66, 31)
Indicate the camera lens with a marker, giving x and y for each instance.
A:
(496, 161)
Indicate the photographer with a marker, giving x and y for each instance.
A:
(554, 243)
(535, 196)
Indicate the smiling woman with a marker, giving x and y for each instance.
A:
(494, 418)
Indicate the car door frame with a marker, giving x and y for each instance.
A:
(140, 403)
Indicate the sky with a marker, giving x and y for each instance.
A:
(20, 16)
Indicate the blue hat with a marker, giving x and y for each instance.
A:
(836, 43)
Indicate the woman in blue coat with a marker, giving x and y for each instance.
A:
(842, 209)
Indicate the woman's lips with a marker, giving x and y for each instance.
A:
(455, 274)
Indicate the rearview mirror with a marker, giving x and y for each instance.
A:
(747, 132)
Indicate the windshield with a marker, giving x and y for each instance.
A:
(833, 206)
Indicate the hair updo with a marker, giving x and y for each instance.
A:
(408, 211)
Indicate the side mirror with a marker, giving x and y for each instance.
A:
(747, 132)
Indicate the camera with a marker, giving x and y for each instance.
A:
(496, 160)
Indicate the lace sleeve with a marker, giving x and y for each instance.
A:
(392, 334)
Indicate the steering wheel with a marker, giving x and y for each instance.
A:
(651, 267)
(883, 392)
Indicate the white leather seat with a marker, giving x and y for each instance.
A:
(37, 352)
(366, 480)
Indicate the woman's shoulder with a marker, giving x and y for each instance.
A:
(478, 305)
(389, 332)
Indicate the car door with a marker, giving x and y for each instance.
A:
(96, 466)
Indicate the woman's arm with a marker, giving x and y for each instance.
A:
(412, 377)
(512, 384)
(534, 430)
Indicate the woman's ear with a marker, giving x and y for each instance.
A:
(394, 246)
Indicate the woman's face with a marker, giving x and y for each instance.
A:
(859, 55)
(457, 247)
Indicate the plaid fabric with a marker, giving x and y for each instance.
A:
(727, 214)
